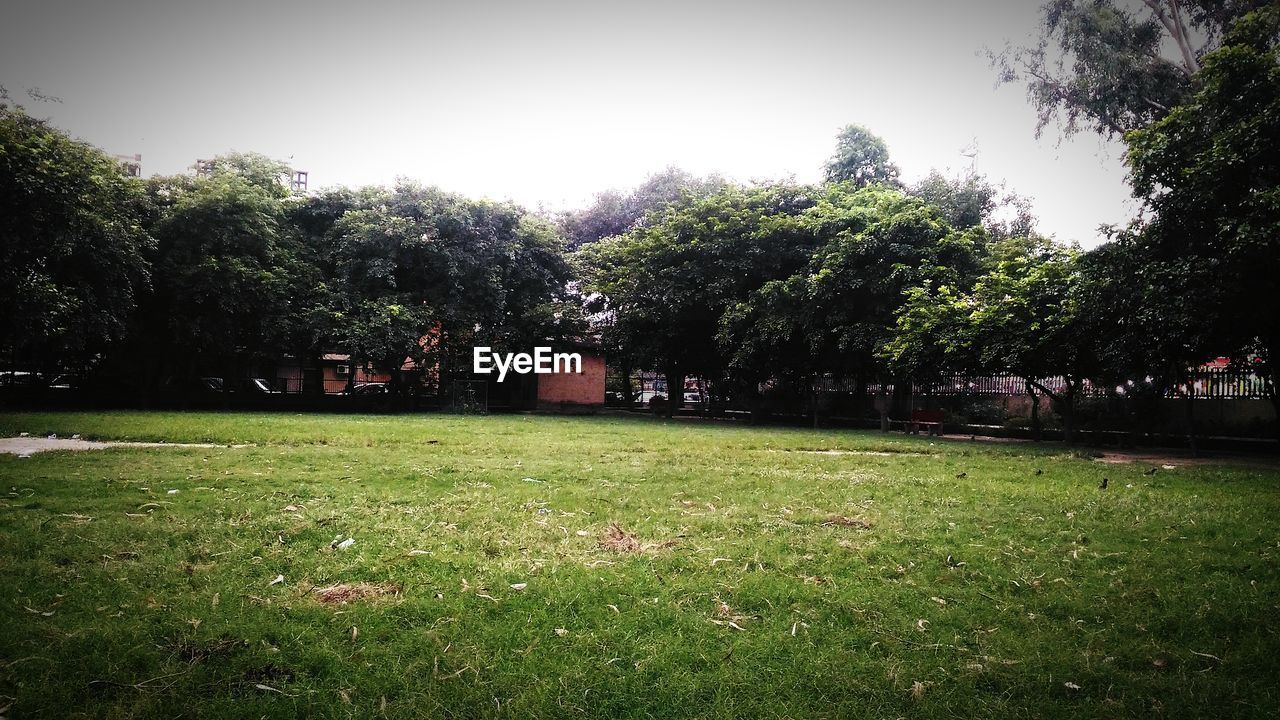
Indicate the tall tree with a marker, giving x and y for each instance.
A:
(72, 246)
(613, 213)
(1208, 173)
(222, 276)
(1112, 66)
(663, 287)
(861, 158)
(835, 313)
(1022, 316)
(417, 261)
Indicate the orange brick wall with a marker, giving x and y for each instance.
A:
(584, 388)
(336, 384)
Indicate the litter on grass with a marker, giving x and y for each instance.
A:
(619, 540)
(344, 593)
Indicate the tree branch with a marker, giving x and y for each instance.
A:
(1155, 104)
(1064, 96)
(1177, 30)
(1043, 389)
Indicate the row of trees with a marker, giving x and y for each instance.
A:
(860, 277)
(865, 278)
(186, 276)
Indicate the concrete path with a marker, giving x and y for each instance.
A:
(25, 446)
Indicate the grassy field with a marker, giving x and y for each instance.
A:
(622, 568)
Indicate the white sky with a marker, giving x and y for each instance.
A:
(547, 103)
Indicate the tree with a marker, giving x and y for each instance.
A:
(1022, 316)
(1208, 173)
(835, 313)
(613, 213)
(417, 262)
(662, 288)
(71, 246)
(1145, 320)
(973, 201)
(1112, 66)
(271, 176)
(861, 157)
(1191, 85)
(223, 275)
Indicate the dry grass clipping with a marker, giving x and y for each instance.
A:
(344, 593)
(845, 521)
(619, 540)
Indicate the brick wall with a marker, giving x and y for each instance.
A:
(569, 391)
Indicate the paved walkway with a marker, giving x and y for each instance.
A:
(26, 446)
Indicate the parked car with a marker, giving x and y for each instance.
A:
(65, 382)
(369, 389)
(19, 378)
(193, 386)
(260, 386)
(20, 385)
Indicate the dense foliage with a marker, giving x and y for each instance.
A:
(72, 246)
(861, 278)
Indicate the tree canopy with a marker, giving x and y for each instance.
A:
(72, 245)
(1209, 173)
(861, 157)
(1112, 66)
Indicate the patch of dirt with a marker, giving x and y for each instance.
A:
(619, 540)
(343, 593)
(27, 446)
(1155, 457)
(845, 521)
(1170, 460)
(874, 453)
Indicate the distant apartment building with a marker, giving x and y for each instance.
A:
(130, 165)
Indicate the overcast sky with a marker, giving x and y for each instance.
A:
(547, 103)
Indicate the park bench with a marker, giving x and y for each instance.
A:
(928, 420)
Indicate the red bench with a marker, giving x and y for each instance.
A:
(928, 420)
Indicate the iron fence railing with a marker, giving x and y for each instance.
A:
(1216, 383)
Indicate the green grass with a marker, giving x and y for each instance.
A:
(975, 596)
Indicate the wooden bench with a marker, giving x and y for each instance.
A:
(928, 420)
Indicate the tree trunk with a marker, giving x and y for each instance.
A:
(1275, 404)
(627, 400)
(675, 389)
(813, 401)
(1037, 428)
(1191, 423)
(1273, 388)
(314, 389)
(903, 402)
(1066, 404)
(1068, 417)
(882, 405)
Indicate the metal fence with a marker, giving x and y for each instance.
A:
(1215, 384)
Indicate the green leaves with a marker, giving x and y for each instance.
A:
(1208, 172)
(664, 287)
(71, 246)
(1020, 315)
(462, 269)
(861, 158)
